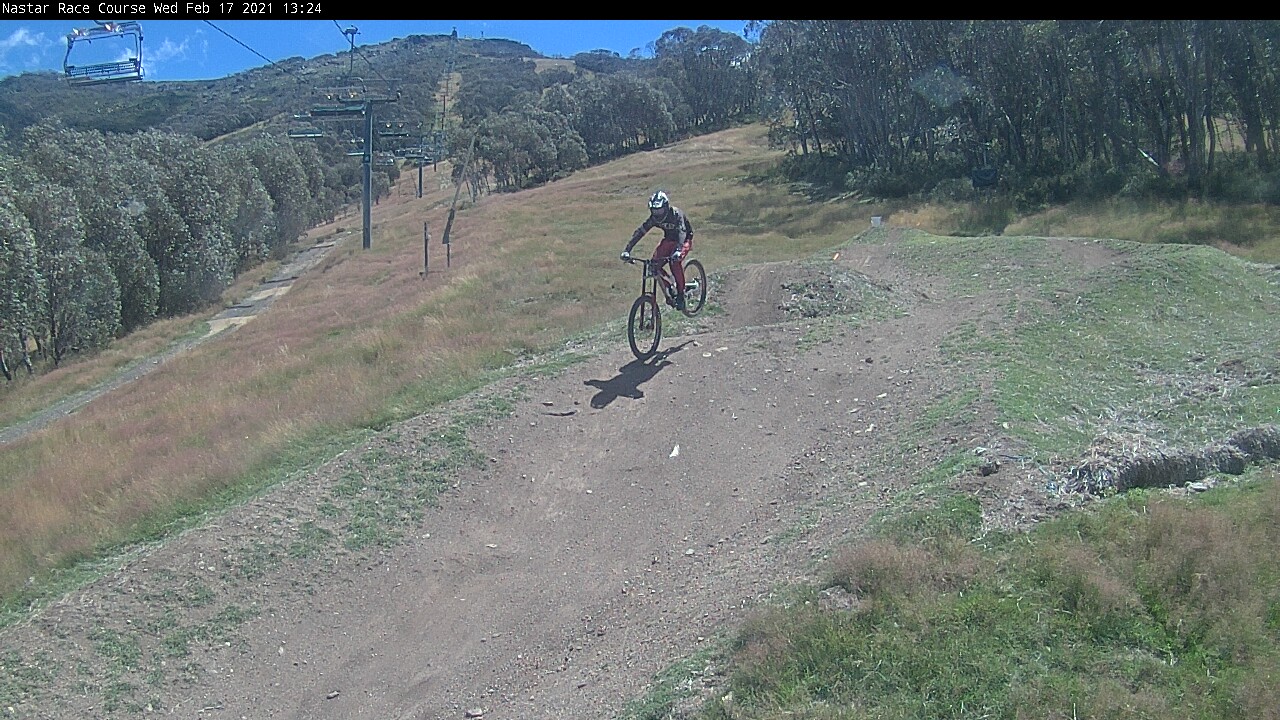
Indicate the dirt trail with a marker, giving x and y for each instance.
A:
(588, 554)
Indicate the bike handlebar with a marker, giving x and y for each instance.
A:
(633, 260)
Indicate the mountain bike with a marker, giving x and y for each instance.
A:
(644, 324)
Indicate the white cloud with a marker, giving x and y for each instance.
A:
(166, 53)
(21, 38)
(24, 50)
(169, 50)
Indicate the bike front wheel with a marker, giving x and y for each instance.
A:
(695, 287)
(644, 327)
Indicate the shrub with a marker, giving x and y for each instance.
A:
(985, 218)
(1237, 178)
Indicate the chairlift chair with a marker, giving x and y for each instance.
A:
(305, 131)
(394, 129)
(114, 71)
(341, 101)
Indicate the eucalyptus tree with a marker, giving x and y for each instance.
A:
(22, 285)
(643, 112)
(559, 100)
(495, 86)
(617, 114)
(325, 186)
(80, 309)
(89, 164)
(560, 111)
(197, 261)
(791, 84)
(570, 152)
(856, 96)
(987, 56)
(495, 154)
(713, 68)
(1188, 58)
(287, 181)
(676, 105)
(1105, 87)
(1251, 75)
(597, 117)
(602, 62)
(528, 146)
(245, 206)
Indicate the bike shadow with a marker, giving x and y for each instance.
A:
(630, 377)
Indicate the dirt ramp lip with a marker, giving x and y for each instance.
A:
(1124, 462)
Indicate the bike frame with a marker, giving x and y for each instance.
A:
(655, 272)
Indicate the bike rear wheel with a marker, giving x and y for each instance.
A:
(644, 327)
(695, 287)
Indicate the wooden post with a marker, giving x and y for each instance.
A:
(448, 246)
(426, 242)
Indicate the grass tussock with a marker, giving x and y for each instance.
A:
(1154, 607)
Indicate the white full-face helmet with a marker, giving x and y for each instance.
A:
(659, 204)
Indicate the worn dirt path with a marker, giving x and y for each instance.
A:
(584, 554)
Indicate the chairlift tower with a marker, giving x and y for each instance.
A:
(355, 101)
(420, 154)
(351, 33)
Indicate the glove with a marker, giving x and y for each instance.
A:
(625, 256)
(676, 256)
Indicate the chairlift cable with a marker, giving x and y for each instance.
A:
(255, 52)
(353, 31)
(237, 40)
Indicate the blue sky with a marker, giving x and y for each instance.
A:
(199, 50)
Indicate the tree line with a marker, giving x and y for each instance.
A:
(530, 127)
(1046, 110)
(101, 234)
(1058, 108)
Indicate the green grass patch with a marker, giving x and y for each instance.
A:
(1172, 341)
(1151, 607)
(672, 686)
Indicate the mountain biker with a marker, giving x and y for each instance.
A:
(677, 239)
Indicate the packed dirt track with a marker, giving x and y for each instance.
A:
(606, 519)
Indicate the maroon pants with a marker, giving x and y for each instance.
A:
(664, 251)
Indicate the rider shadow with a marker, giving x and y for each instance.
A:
(630, 377)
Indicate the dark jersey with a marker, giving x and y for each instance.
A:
(675, 227)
